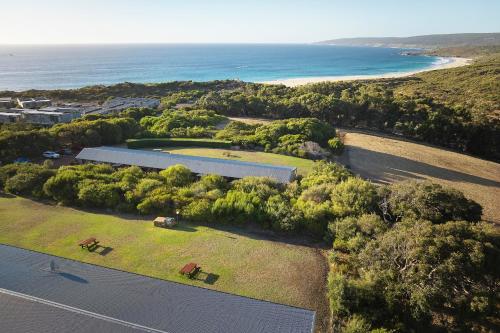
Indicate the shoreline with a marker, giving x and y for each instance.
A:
(451, 62)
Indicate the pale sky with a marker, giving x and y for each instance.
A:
(235, 21)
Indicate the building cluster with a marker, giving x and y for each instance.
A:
(40, 111)
(119, 104)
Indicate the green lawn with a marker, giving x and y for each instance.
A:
(303, 165)
(238, 261)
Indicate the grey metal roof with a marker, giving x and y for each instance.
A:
(19, 313)
(197, 164)
(111, 300)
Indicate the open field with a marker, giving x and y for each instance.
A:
(237, 261)
(303, 165)
(386, 159)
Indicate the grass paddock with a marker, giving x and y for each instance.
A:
(303, 165)
(232, 259)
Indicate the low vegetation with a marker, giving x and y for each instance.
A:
(406, 255)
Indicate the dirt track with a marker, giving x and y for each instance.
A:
(386, 160)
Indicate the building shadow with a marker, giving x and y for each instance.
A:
(392, 168)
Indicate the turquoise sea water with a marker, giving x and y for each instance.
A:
(51, 67)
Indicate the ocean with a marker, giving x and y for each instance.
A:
(73, 66)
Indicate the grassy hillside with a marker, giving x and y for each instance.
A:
(465, 51)
(426, 41)
(475, 87)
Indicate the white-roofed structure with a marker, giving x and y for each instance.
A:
(197, 164)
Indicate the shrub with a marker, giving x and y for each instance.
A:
(353, 196)
(198, 211)
(94, 193)
(177, 175)
(356, 324)
(351, 233)
(63, 187)
(239, 207)
(157, 201)
(336, 145)
(281, 214)
(325, 173)
(28, 180)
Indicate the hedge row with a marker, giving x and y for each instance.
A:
(177, 142)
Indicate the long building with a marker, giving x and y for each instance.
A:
(197, 164)
(44, 293)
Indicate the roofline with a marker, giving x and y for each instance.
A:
(194, 158)
(80, 311)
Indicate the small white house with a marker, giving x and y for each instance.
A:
(9, 117)
(74, 112)
(45, 118)
(6, 102)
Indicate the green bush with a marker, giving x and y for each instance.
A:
(177, 175)
(94, 193)
(353, 196)
(26, 179)
(198, 211)
(336, 145)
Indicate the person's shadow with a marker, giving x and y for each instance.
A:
(72, 277)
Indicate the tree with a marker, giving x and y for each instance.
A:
(425, 200)
(443, 272)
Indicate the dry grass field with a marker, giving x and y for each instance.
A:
(386, 159)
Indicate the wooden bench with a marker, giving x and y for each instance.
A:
(88, 243)
(190, 269)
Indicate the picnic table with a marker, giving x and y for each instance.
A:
(190, 269)
(88, 243)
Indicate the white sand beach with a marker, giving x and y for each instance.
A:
(446, 62)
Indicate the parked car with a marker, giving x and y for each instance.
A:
(51, 155)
